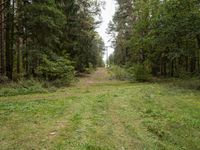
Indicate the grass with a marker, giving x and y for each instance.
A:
(22, 88)
(107, 115)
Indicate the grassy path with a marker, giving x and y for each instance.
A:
(100, 114)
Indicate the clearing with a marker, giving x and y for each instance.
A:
(102, 114)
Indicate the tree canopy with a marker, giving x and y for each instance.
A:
(163, 36)
(46, 38)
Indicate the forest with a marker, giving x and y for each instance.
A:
(63, 86)
(49, 39)
(161, 36)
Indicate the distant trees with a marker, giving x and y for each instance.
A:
(122, 24)
(37, 34)
(163, 36)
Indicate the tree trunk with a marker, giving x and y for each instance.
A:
(186, 64)
(165, 69)
(193, 64)
(18, 56)
(19, 41)
(198, 42)
(12, 34)
(172, 68)
(8, 40)
(2, 52)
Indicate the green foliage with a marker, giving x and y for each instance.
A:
(118, 73)
(59, 71)
(44, 37)
(22, 87)
(182, 74)
(134, 73)
(90, 69)
(165, 34)
(3, 79)
(186, 83)
(139, 73)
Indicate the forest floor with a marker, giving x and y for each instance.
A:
(102, 114)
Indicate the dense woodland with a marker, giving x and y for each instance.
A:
(163, 36)
(52, 39)
(49, 39)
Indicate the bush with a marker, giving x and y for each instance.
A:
(118, 73)
(90, 69)
(4, 79)
(182, 74)
(192, 83)
(135, 73)
(139, 73)
(59, 72)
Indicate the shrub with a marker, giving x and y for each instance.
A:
(139, 73)
(135, 73)
(192, 83)
(4, 79)
(90, 69)
(182, 74)
(59, 72)
(118, 73)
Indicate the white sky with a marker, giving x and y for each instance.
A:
(107, 15)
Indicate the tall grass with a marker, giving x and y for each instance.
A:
(22, 88)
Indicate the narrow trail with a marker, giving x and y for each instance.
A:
(101, 75)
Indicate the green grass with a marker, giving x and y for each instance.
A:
(22, 88)
(103, 116)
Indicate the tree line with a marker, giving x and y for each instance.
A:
(161, 35)
(48, 39)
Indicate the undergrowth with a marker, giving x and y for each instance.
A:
(25, 87)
